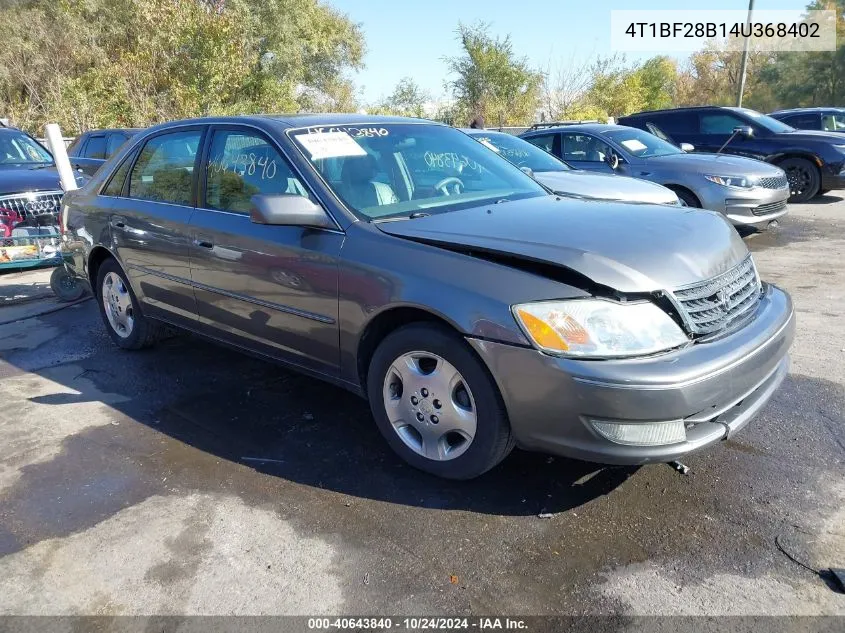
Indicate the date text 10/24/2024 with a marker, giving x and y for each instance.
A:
(418, 623)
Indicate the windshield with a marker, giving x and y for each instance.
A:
(17, 148)
(520, 153)
(387, 171)
(641, 144)
(765, 121)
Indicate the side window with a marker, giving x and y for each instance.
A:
(75, 146)
(242, 164)
(96, 147)
(833, 122)
(115, 186)
(720, 124)
(164, 168)
(674, 124)
(115, 141)
(580, 147)
(543, 141)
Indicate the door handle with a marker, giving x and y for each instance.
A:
(204, 243)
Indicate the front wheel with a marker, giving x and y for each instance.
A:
(804, 179)
(436, 404)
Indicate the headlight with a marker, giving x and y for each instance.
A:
(739, 182)
(598, 328)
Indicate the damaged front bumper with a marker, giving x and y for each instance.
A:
(708, 390)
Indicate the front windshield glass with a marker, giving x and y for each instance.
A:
(765, 121)
(396, 170)
(520, 153)
(642, 144)
(17, 149)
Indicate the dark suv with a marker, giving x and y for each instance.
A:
(814, 162)
(91, 149)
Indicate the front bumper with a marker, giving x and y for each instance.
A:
(716, 388)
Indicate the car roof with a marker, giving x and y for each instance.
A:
(113, 129)
(289, 121)
(595, 128)
(685, 109)
(813, 109)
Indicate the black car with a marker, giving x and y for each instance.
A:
(823, 119)
(90, 149)
(814, 162)
(29, 183)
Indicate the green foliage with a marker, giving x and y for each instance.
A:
(112, 63)
(407, 99)
(490, 80)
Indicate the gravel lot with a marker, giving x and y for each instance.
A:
(191, 480)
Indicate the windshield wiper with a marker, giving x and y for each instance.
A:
(412, 216)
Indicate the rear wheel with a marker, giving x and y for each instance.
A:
(436, 404)
(804, 178)
(126, 326)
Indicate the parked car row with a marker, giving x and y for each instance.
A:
(558, 291)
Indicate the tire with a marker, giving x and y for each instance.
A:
(804, 178)
(687, 198)
(114, 294)
(472, 392)
(65, 286)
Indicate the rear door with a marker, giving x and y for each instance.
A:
(272, 289)
(149, 222)
(91, 154)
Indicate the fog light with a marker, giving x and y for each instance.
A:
(642, 434)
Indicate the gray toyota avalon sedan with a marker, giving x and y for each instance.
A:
(404, 261)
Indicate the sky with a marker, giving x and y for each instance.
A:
(412, 37)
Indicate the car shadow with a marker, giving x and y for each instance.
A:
(826, 198)
(285, 425)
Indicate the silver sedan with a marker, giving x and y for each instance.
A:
(748, 192)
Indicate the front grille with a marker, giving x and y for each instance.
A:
(773, 182)
(713, 305)
(36, 205)
(772, 207)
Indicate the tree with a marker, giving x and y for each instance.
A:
(407, 99)
(658, 76)
(811, 78)
(102, 63)
(564, 90)
(617, 88)
(491, 81)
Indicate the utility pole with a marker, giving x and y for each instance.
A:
(744, 63)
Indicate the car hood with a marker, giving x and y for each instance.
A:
(718, 164)
(28, 178)
(630, 248)
(813, 135)
(605, 187)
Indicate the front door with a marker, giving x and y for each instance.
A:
(272, 289)
(584, 151)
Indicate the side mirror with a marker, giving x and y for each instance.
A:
(686, 147)
(286, 209)
(612, 159)
(528, 171)
(746, 131)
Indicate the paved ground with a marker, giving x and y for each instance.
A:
(189, 479)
